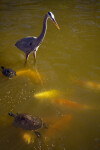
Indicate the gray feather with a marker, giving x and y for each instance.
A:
(26, 44)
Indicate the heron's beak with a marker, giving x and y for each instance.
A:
(55, 23)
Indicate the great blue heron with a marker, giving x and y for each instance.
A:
(31, 44)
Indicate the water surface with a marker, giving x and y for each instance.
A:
(69, 61)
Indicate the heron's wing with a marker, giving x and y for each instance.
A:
(26, 44)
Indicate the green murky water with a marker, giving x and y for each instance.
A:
(69, 62)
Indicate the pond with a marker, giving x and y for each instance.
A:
(64, 87)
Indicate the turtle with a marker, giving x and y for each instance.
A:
(8, 72)
(28, 122)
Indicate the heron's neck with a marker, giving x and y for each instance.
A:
(41, 37)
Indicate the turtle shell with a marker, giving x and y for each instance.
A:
(27, 122)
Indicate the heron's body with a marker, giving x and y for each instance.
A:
(26, 44)
(31, 44)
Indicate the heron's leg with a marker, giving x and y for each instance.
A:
(34, 54)
(38, 134)
(26, 57)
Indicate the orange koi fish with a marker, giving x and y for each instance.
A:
(59, 125)
(90, 84)
(69, 103)
(30, 74)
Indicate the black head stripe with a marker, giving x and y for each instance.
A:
(49, 13)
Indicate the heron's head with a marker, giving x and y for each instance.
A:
(52, 17)
(10, 113)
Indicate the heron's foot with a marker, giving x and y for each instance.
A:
(34, 62)
(25, 63)
(38, 134)
(34, 55)
(26, 58)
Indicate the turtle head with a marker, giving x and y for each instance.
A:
(11, 114)
(2, 67)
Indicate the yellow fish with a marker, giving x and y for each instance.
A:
(47, 94)
(28, 138)
(30, 74)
